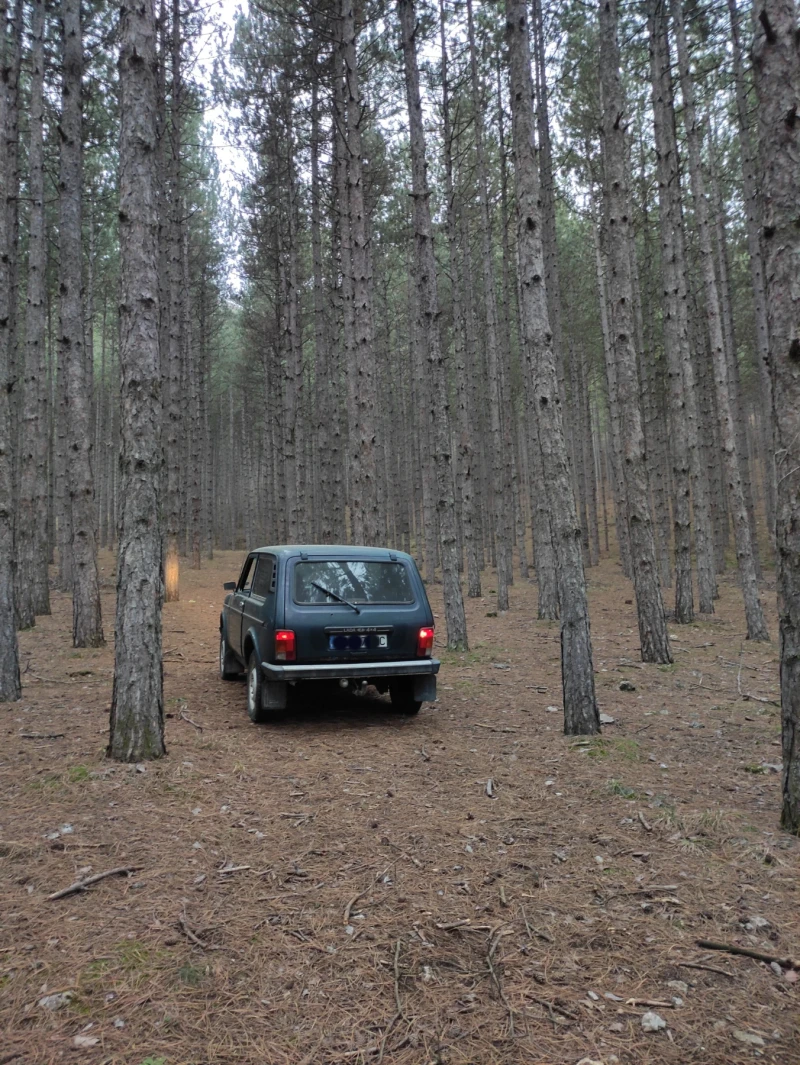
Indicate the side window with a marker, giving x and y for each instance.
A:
(246, 579)
(262, 582)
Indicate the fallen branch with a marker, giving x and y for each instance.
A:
(192, 936)
(645, 825)
(351, 904)
(654, 1002)
(82, 885)
(731, 948)
(398, 1003)
(705, 968)
(183, 716)
(41, 735)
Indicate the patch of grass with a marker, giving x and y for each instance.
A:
(50, 782)
(76, 774)
(133, 955)
(616, 787)
(628, 748)
(753, 768)
(190, 975)
(668, 668)
(154, 1061)
(601, 747)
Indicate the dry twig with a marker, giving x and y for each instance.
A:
(731, 948)
(82, 885)
(183, 924)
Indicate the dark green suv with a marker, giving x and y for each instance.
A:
(352, 615)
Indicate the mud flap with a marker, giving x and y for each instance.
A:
(274, 694)
(424, 688)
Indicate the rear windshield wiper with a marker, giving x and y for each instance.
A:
(333, 595)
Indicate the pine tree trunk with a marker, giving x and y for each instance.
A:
(171, 359)
(776, 62)
(11, 82)
(437, 400)
(649, 605)
(502, 505)
(756, 625)
(87, 628)
(362, 451)
(10, 688)
(31, 533)
(749, 160)
(137, 706)
(675, 340)
(581, 714)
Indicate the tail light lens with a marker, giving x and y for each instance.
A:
(425, 643)
(285, 646)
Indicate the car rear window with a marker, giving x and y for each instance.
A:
(356, 581)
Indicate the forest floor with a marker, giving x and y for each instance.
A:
(340, 886)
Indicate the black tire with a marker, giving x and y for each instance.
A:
(255, 683)
(401, 691)
(228, 666)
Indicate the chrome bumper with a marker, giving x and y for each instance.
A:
(350, 670)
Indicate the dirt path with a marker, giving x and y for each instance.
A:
(339, 886)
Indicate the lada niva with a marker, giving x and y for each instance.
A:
(307, 614)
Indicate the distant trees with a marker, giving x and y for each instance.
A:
(335, 359)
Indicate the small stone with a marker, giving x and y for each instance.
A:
(119, 1023)
(627, 686)
(776, 968)
(593, 996)
(141, 768)
(616, 1027)
(84, 1041)
(607, 719)
(57, 1001)
(697, 724)
(552, 710)
(678, 985)
(651, 1022)
(748, 1037)
(756, 924)
(349, 930)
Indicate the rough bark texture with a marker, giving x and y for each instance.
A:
(137, 708)
(675, 337)
(676, 305)
(9, 657)
(581, 714)
(32, 547)
(649, 605)
(364, 513)
(87, 627)
(750, 189)
(174, 327)
(777, 71)
(502, 503)
(756, 625)
(428, 308)
(464, 427)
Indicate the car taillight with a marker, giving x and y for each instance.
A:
(425, 643)
(284, 646)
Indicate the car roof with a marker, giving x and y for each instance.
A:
(342, 550)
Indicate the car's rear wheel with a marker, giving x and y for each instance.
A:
(255, 695)
(401, 691)
(228, 666)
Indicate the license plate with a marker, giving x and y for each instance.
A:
(357, 641)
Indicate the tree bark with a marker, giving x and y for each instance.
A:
(649, 605)
(363, 487)
(749, 158)
(10, 688)
(33, 586)
(87, 627)
(502, 507)
(756, 625)
(137, 707)
(675, 337)
(776, 55)
(429, 325)
(581, 715)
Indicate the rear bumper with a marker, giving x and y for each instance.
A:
(351, 670)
